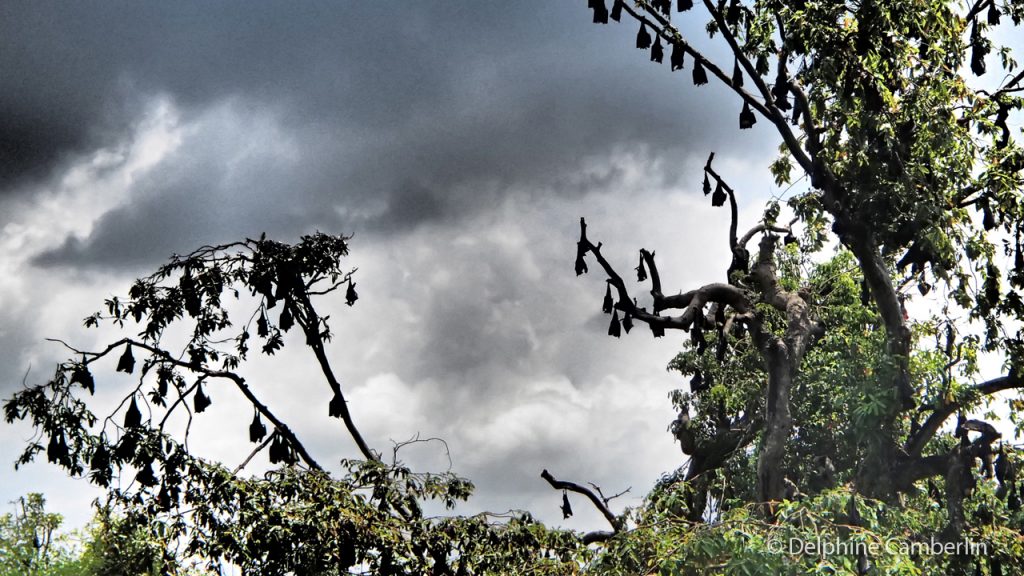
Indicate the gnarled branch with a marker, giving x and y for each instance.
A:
(598, 503)
(916, 443)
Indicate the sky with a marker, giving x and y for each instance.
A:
(458, 143)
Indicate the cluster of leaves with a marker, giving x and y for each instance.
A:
(920, 154)
(31, 544)
(834, 532)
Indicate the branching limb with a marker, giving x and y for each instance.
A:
(695, 300)
(615, 522)
(977, 8)
(917, 442)
(772, 112)
(782, 357)
(417, 440)
(759, 228)
(239, 382)
(1012, 86)
(859, 239)
(607, 499)
(655, 276)
(692, 302)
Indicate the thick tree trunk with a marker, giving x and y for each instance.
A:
(782, 356)
(778, 424)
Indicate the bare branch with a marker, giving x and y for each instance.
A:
(655, 275)
(692, 302)
(607, 499)
(734, 222)
(746, 238)
(598, 503)
(252, 455)
(309, 321)
(417, 440)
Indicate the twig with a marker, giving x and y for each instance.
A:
(416, 439)
(607, 499)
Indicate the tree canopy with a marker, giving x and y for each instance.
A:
(837, 383)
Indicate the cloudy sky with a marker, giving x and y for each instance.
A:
(459, 143)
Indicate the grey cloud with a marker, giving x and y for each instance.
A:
(459, 142)
(428, 111)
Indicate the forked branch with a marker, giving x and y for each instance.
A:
(598, 503)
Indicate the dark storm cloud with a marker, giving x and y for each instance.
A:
(402, 114)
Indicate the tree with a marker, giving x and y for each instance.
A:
(172, 507)
(817, 405)
(29, 543)
(807, 370)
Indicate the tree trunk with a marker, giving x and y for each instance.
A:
(778, 423)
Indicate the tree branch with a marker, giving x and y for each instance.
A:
(693, 301)
(235, 378)
(772, 112)
(746, 238)
(916, 443)
(573, 487)
(664, 28)
(655, 276)
(734, 210)
(310, 323)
